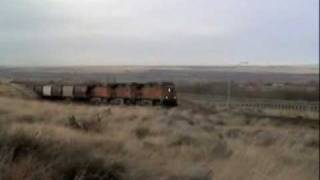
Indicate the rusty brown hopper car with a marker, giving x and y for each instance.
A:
(101, 92)
(123, 91)
(116, 93)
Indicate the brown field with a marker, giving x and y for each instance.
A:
(53, 140)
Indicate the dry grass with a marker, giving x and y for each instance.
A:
(44, 140)
(292, 113)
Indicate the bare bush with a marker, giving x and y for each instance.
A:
(183, 140)
(221, 150)
(142, 132)
(34, 158)
(264, 138)
(234, 133)
(312, 141)
(93, 125)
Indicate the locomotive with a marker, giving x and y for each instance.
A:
(163, 93)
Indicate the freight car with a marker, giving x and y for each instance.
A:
(115, 93)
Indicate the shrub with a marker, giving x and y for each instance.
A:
(264, 138)
(183, 140)
(234, 133)
(221, 150)
(142, 132)
(85, 125)
(311, 141)
(58, 159)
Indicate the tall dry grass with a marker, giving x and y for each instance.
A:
(45, 140)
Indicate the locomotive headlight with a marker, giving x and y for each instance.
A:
(169, 89)
(166, 97)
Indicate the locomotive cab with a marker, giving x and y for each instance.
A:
(169, 96)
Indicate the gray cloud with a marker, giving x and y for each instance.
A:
(152, 32)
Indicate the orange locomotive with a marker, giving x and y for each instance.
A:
(116, 93)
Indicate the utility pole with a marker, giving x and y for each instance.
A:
(229, 85)
(228, 93)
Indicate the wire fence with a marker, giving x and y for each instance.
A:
(257, 103)
(273, 105)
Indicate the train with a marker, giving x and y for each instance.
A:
(153, 93)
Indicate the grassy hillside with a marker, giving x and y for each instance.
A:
(45, 140)
(8, 89)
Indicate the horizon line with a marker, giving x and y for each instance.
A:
(112, 65)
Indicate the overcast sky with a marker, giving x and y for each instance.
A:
(158, 32)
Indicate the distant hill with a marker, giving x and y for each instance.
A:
(297, 69)
(164, 73)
